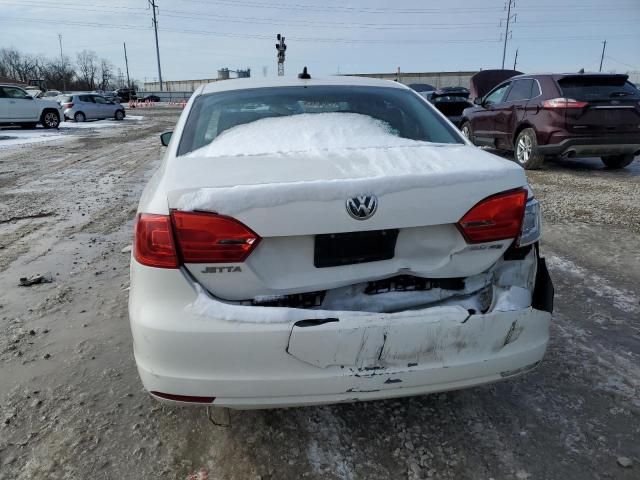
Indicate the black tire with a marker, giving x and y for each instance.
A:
(119, 115)
(79, 117)
(28, 125)
(526, 152)
(465, 128)
(50, 119)
(615, 162)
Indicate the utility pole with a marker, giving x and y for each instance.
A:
(281, 47)
(604, 45)
(510, 3)
(155, 28)
(126, 62)
(64, 80)
(515, 60)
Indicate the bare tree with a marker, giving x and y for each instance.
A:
(106, 74)
(18, 66)
(87, 61)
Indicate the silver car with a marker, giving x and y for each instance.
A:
(89, 106)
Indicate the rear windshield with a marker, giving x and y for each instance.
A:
(598, 88)
(408, 116)
(66, 99)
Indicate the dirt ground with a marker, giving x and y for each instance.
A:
(72, 406)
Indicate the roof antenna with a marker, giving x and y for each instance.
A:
(304, 75)
(581, 70)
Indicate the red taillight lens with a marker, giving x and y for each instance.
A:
(153, 241)
(495, 218)
(563, 103)
(211, 238)
(67, 105)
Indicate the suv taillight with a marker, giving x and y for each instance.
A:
(67, 105)
(153, 244)
(210, 238)
(498, 217)
(556, 103)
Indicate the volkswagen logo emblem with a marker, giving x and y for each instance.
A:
(362, 206)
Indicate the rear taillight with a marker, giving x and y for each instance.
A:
(495, 218)
(556, 103)
(211, 238)
(153, 241)
(67, 105)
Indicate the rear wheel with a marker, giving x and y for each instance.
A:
(617, 161)
(465, 128)
(79, 117)
(119, 115)
(50, 119)
(526, 150)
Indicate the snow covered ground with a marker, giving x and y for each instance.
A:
(12, 137)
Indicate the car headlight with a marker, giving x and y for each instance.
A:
(532, 223)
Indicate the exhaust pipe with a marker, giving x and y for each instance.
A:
(569, 154)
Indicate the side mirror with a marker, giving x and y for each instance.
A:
(165, 138)
(477, 101)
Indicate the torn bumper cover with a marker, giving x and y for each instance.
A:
(342, 357)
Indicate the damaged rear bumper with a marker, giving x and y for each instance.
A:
(307, 357)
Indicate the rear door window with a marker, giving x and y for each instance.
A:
(520, 90)
(535, 89)
(598, 87)
(86, 98)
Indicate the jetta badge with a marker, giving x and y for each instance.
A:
(362, 206)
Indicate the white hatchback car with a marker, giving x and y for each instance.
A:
(312, 241)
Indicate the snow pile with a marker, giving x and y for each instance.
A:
(307, 132)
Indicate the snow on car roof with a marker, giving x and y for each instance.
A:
(246, 83)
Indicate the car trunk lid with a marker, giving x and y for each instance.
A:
(297, 204)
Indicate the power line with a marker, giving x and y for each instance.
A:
(319, 24)
(376, 41)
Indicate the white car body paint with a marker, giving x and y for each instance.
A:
(196, 332)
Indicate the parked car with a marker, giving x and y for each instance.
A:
(51, 94)
(126, 94)
(17, 107)
(565, 115)
(451, 101)
(150, 98)
(311, 241)
(112, 97)
(88, 106)
(422, 87)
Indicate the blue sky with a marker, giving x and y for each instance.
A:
(199, 36)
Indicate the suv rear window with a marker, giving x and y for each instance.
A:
(401, 109)
(600, 87)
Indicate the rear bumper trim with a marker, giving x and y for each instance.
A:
(593, 145)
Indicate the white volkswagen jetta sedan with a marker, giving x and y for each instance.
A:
(310, 241)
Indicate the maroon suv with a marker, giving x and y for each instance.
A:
(557, 114)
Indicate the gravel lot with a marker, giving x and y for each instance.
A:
(72, 406)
